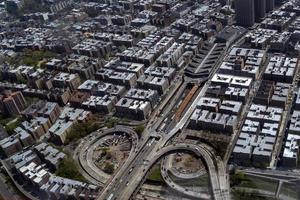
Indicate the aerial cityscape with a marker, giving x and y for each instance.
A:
(149, 99)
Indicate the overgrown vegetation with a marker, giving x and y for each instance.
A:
(32, 58)
(237, 178)
(240, 181)
(106, 152)
(248, 163)
(67, 168)
(111, 122)
(81, 130)
(155, 174)
(139, 129)
(220, 147)
(109, 167)
(241, 194)
(21, 79)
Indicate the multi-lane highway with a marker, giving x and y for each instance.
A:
(214, 167)
(130, 176)
(130, 168)
(126, 179)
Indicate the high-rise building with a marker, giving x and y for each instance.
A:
(270, 4)
(19, 99)
(12, 103)
(224, 2)
(279, 2)
(11, 106)
(260, 10)
(245, 14)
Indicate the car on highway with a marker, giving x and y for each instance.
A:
(130, 170)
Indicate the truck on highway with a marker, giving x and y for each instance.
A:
(110, 196)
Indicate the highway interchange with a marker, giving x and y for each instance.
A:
(155, 145)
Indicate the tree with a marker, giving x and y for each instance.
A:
(104, 152)
(81, 130)
(109, 168)
(139, 129)
(21, 79)
(237, 178)
(108, 155)
(111, 122)
(34, 58)
(12, 8)
(68, 169)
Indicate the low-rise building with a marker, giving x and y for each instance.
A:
(10, 145)
(37, 127)
(144, 95)
(213, 121)
(291, 151)
(63, 80)
(93, 48)
(262, 113)
(234, 81)
(121, 66)
(264, 93)
(154, 83)
(119, 78)
(170, 58)
(297, 102)
(230, 93)
(133, 109)
(295, 123)
(280, 95)
(51, 111)
(260, 38)
(251, 71)
(68, 117)
(253, 149)
(281, 69)
(49, 155)
(103, 104)
(163, 72)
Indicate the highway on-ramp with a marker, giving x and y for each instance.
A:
(124, 191)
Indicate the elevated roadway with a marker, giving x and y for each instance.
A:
(135, 181)
(128, 178)
(84, 152)
(166, 169)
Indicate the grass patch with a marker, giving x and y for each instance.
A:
(155, 174)
(259, 183)
(240, 194)
(10, 127)
(289, 190)
(35, 58)
(139, 130)
(67, 168)
(109, 168)
(240, 179)
(204, 181)
(4, 120)
(32, 100)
